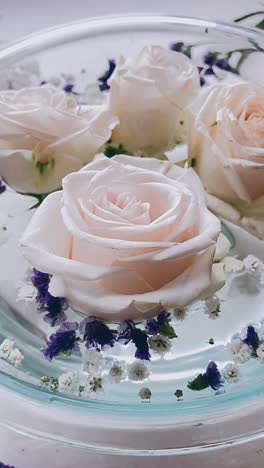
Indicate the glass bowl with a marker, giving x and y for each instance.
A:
(187, 426)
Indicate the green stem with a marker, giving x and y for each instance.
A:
(249, 15)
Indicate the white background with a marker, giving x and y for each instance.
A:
(21, 17)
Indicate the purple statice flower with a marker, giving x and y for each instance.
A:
(2, 465)
(2, 186)
(69, 89)
(177, 46)
(210, 58)
(153, 326)
(213, 377)
(208, 71)
(96, 334)
(181, 47)
(125, 330)
(54, 307)
(41, 282)
(251, 337)
(64, 341)
(103, 85)
(224, 65)
(128, 332)
(202, 81)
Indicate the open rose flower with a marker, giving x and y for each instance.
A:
(227, 151)
(149, 95)
(45, 134)
(128, 236)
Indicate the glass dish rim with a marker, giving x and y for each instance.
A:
(67, 32)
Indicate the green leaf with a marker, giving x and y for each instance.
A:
(260, 25)
(167, 330)
(198, 384)
(249, 15)
(111, 150)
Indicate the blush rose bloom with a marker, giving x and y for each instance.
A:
(124, 237)
(149, 94)
(227, 151)
(45, 134)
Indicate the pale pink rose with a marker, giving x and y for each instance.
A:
(227, 151)
(45, 134)
(128, 236)
(149, 95)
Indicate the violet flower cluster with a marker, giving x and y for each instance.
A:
(97, 334)
(211, 378)
(92, 331)
(103, 80)
(2, 186)
(63, 342)
(53, 307)
(128, 332)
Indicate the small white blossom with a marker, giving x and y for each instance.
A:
(180, 313)
(24, 75)
(239, 351)
(96, 384)
(160, 344)
(16, 357)
(212, 307)
(138, 370)
(232, 265)
(231, 373)
(255, 267)
(92, 361)
(66, 382)
(5, 348)
(117, 372)
(260, 353)
(144, 393)
(27, 292)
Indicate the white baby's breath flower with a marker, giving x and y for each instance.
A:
(232, 265)
(239, 350)
(96, 385)
(160, 344)
(255, 267)
(16, 357)
(26, 292)
(117, 372)
(260, 353)
(5, 348)
(231, 373)
(20, 76)
(144, 393)
(138, 371)
(93, 361)
(66, 381)
(180, 313)
(212, 307)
